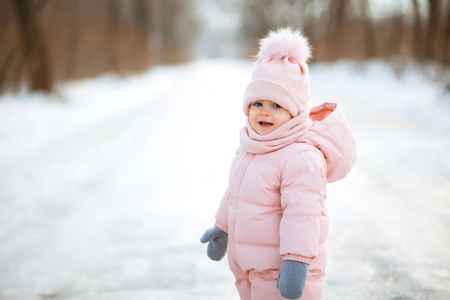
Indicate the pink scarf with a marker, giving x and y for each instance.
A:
(286, 134)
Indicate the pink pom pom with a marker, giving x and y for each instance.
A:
(284, 43)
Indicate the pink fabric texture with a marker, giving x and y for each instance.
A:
(339, 148)
(274, 207)
(288, 133)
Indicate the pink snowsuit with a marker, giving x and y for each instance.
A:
(274, 207)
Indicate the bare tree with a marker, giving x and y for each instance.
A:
(36, 61)
(418, 38)
(337, 11)
(44, 41)
(446, 50)
(74, 40)
(369, 32)
(114, 8)
(141, 15)
(257, 21)
(170, 39)
(433, 28)
(396, 34)
(260, 16)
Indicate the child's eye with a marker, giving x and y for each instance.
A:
(257, 104)
(277, 105)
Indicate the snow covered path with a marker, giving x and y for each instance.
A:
(106, 194)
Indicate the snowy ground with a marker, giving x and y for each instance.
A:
(106, 187)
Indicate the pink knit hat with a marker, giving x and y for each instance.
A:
(281, 74)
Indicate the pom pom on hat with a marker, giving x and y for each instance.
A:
(281, 73)
(284, 43)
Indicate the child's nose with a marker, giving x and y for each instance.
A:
(264, 112)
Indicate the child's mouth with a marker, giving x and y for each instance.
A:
(265, 124)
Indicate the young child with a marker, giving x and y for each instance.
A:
(272, 219)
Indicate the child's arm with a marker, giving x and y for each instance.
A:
(217, 237)
(222, 212)
(302, 195)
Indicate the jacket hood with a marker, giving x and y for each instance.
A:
(331, 134)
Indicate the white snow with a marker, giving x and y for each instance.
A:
(107, 186)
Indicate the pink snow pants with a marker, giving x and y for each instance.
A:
(254, 285)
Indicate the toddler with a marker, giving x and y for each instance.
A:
(272, 219)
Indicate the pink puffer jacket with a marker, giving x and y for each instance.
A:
(273, 209)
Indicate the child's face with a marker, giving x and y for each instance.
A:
(265, 116)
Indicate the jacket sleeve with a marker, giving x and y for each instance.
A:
(302, 196)
(222, 212)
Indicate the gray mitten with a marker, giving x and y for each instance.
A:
(292, 279)
(218, 240)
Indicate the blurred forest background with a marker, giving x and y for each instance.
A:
(43, 42)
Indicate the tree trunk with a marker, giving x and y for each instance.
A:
(40, 65)
(396, 34)
(369, 32)
(418, 47)
(37, 61)
(446, 50)
(114, 8)
(337, 12)
(433, 27)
